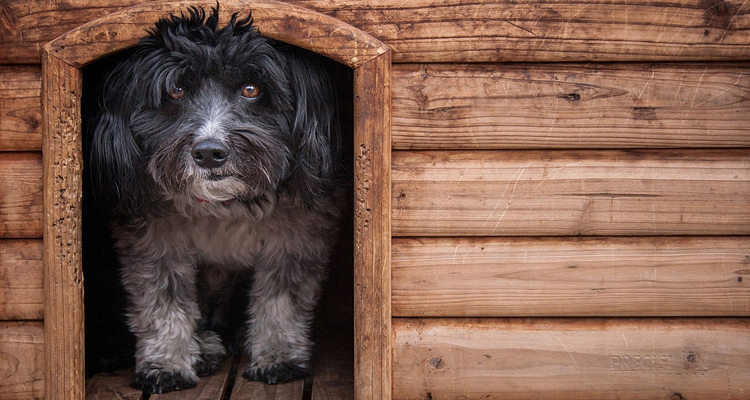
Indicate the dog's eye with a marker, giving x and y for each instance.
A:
(250, 91)
(176, 92)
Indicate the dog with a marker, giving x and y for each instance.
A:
(216, 155)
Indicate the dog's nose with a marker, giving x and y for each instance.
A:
(209, 153)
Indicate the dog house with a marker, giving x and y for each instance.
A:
(552, 199)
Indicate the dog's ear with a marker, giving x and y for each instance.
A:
(315, 134)
(118, 170)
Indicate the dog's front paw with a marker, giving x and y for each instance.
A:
(276, 374)
(208, 364)
(157, 381)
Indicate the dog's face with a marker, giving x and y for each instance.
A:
(207, 116)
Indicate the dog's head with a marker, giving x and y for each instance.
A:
(212, 115)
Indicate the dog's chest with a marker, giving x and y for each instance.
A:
(226, 243)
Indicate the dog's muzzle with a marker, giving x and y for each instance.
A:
(209, 153)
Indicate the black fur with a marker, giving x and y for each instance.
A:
(136, 124)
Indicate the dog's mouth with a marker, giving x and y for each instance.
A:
(215, 177)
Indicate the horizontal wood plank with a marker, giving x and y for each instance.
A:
(571, 193)
(461, 31)
(21, 360)
(523, 277)
(508, 30)
(20, 108)
(20, 195)
(521, 106)
(21, 282)
(576, 359)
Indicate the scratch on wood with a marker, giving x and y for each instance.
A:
(502, 197)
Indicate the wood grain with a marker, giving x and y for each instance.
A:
(282, 21)
(21, 360)
(467, 31)
(113, 386)
(576, 359)
(20, 195)
(372, 229)
(522, 106)
(564, 193)
(21, 281)
(20, 108)
(571, 277)
(550, 31)
(63, 277)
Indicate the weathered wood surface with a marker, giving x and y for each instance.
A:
(372, 229)
(568, 277)
(20, 108)
(63, 275)
(282, 21)
(521, 106)
(21, 360)
(112, 386)
(508, 30)
(576, 359)
(20, 195)
(460, 31)
(542, 193)
(21, 281)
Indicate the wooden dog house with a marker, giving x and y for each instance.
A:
(552, 199)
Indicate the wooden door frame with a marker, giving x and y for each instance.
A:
(62, 63)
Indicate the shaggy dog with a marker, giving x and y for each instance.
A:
(215, 154)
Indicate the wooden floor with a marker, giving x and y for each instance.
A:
(332, 380)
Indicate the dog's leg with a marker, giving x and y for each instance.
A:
(283, 296)
(164, 314)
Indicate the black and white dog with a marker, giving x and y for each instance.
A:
(215, 153)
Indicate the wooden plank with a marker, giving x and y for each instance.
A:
(20, 108)
(26, 26)
(523, 106)
(372, 230)
(112, 386)
(460, 31)
(21, 281)
(20, 195)
(508, 30)
(281, 21)
(212, 387)
(571, 193)
(248, 390)
(21, 360)
(63, 275)
(577, 359)
(643, 276)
